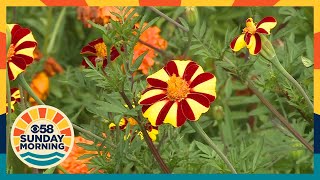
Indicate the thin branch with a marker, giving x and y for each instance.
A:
(168, 18)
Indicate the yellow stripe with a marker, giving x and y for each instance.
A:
(16, 140)
(317, 91)
(208, 87)
(3, 18)
(181, 65)
(113, 3)
(153, 111)
(197, 73)
(252, 45)
(63, 124)
(50, 114)
(34, 114)
(207, 3)
(197, 108)
(21, 124)
(161, 75)
(24, 3)
(67, 141)
(316, 18)
(151, 93)
(15, 70)
(268, 26)
(3, 91)
(295, 3)
(240, 43)
(171, 117)
(26, 51)
(28, 37)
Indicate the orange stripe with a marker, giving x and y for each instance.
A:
(66, 148)
(160, 3)
(316, 50)
(17, 149)
(254, 3)
(67, 132)
(57, 118)
(17, 132)
(42, 112)
(65, 2)
(3, 50)
(26, 117)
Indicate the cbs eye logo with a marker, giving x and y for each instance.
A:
(42, 137)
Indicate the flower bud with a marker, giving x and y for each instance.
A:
(218, 113)
(267, 50)
(192, 15)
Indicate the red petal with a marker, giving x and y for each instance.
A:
(201, 78)
(163, 113)
(171, 68)
(191, 68)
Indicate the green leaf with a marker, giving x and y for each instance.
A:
(205, 149)
(8, 38)
(98, 26)
(184, 23)
(257, 154)
(110, 107)
(88, 147)
(306, 62)
(50, 170)
(150, 23)
(86, 156)
(138, 62)
(202, 29)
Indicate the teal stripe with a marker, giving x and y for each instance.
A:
(41, 156)
(42, 163)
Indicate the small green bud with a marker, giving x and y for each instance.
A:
(267, 50)
(297, 154)
(218, 113)
(192, 15)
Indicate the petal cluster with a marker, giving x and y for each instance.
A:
(20, 52)
(179, 91)
(250, 37)
(152, 37)
(15, 98)
(96, 52)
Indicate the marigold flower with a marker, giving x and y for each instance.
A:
(51, 67)
(250, 36)
(150, 36)
(15, 97)
(20, 52)
(74, 165)
(101, 15)
(96, 52)
(40, 86)
(179, 91)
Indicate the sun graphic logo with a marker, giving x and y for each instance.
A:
(42, 136)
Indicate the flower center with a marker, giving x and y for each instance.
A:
(177, 89)
(10, 52)
(250, 26)
(101, 49)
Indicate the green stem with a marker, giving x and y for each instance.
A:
(168, 18)
(149, 142)
(23, 83)
(195, 125)
(55, 31)
(284, 72)
(26, 87)
(185, 54)
(62, 169)
(8, 118)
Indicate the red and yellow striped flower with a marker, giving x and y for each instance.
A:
(250, 36)
(179, 91)
(15, 97)
(20, 52)
(96, 52)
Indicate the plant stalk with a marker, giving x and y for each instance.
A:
(195, 125)
(284, 72)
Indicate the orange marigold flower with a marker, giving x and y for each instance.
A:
(40, 86)
(101, 15)
(179, 91)
(20, 52)
(15, 97)
(250, 36)
(150, 36)
(51, 67)
(74, 165)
